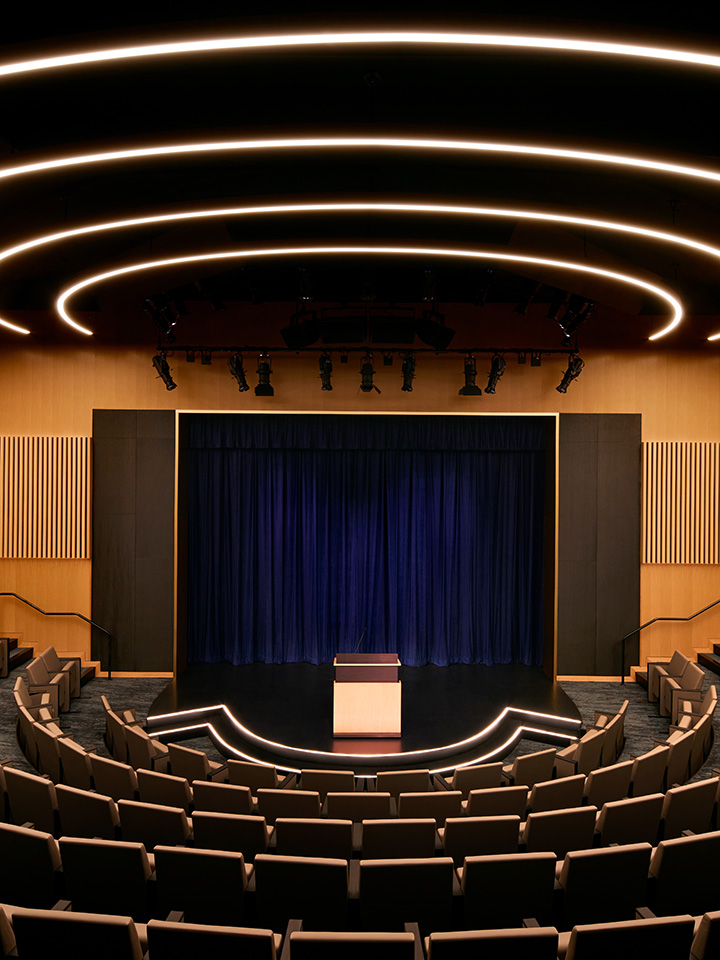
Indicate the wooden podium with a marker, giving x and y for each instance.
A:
(366, 695)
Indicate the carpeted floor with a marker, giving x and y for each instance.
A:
(86, 721)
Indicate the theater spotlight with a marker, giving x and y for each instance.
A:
(304, 330)
(431, 330)
(484, 280)
(366, 374)
(470, 389)
(161, 316)
(161, 365)
(557, 302)
(531, 291)
(264, 387)
(573, 371)
(497, 369)
(408, 371)
(206, 357)
(235, 363)
(326, 371)
(576, 313)
(535, 359)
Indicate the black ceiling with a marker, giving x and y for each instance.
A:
(616, 105)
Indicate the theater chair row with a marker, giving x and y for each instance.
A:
(57, 677)
(36, 934)
(676, 687)
(486, 892)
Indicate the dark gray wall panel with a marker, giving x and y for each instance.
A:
(133, 536)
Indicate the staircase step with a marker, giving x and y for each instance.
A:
(19, 655)
(716, 649)
(641, 678)
(86, 675)
(710, 660)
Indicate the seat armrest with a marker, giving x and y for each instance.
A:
(292, 927)
(414, 929)
(353, 879)
(175, 916)
(444, 784)
(572, 764)
(63, 906)
(644, 913)
(530, 922)
(288, 781)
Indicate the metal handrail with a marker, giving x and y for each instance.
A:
(655, 620)
(70, 613)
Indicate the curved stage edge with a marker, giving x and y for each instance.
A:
(282, 714)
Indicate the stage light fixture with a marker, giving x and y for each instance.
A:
(366, 374)
(497, 369)
(163, 369)
(522, 357)
(264, 388)
(326, 371)
(578, 310)
(431, 330)
(574, 369)
(206, 357)
(305, 284)
(535, 359)
(304, 330)
(190, 356)
(235, 365)
(156, 309)
(343, 358)
(387, 359)
(470, 389)
(484, 281)
(208, 295)
(429, 285)
(557, 302)
(531, 291)
(408, 372)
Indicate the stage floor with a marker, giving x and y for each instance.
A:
(282, 714)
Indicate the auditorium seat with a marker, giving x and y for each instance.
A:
(530, 768)
(360, 806)
(287, 803)
(32, 799)
(524, 943)
(7, 935)
(69, 665)
(222, 797)
(648, 772)
(325, 945)
(702, 742)
(559, 794)
(384, 839)
(685, 875)
(38, 705)
(678, 762)
(694, 705)
(85, 814)
(26, 736)
(168, 940)
(668, 938)
(505, 889)
(689, 807)
(339, 781)
(608, 783)
(58, 686)
(614, 726)
(75, 764)
(583, 756)
(656, 671)
(42, 934)
(437, 804)
(497, 802)
(398, 891)
(312, 888)
(296, 837)
(244, 834)
(630, 821)
(466, 779)
(31, 873)
(46, 737)
(603, 885)
(396, 782)
(207, 886)
(114, 779)
(258, 776)
(479, 836)
(4, 802)
(143, 752)
(673, 689)
(164, 788)
(706, 942)
(194, 765)
(559, 830)
(153, 823)
(115, 721)
(107, 876)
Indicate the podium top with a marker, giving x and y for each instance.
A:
(367, 658)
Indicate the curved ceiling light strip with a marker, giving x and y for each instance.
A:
(665, 295)
(540, 216)
(560, 44)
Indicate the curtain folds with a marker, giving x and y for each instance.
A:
(308, 534)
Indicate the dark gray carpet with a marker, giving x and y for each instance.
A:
(86, 721)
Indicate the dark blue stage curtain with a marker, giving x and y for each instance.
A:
(421, 534)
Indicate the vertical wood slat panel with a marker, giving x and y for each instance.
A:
(681, 502)
(45, 485)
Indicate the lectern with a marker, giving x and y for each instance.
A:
(366, 695)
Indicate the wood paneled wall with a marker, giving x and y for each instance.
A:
(53, 390)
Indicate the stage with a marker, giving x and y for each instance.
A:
(282, 714)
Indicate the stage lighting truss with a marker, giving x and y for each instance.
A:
(574, 369)
(497, 369)
(163, 370)
(433, 209)
(408, 372)
(326, 367)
